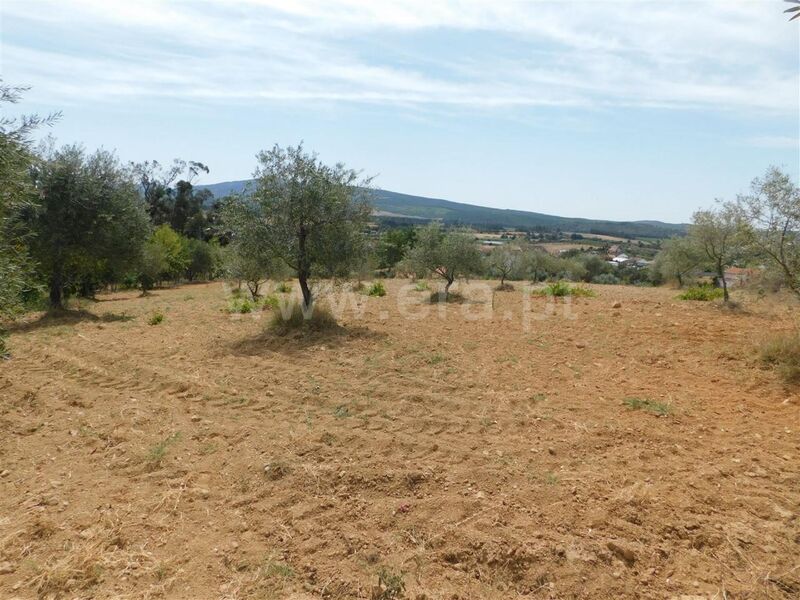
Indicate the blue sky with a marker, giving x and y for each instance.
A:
(621, 110)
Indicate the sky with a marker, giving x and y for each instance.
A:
(624, 110)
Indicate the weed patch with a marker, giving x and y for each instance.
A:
(318, 319)
(702, 293)
(377, 289)
(561, 289)
(783, 354)
(657, 408)
(157, 453)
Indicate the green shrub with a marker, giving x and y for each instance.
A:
(783, 353)
(657, 408)
(156, 318)
(560, 289)
(320, 319)
(377, 289)
(421, 286)
(390, 585)
(454, 297)
(702, 293)
(242, 306)
(270, 303)
(283, 288)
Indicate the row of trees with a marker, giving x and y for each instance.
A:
(760, 229)
(73, 222)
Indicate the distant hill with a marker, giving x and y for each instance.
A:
(397, 207)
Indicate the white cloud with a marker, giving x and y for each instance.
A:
(707, 54)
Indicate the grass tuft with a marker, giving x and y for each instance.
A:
(156, 318)
(656, 408)
(561, 289)
(390, 585)
(783, 354)
(283, 288)
(377, 289)
(452, 297)
(421, 286)
(318, 319)
(702, 293)
(157, 452)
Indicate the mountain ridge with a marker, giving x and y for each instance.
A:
(399, 208)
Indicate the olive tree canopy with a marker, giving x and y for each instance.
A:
(310, 215)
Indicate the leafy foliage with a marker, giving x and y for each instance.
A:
(505, 262)
(560, 289)
(377, 289)
(307, 214)
(717, 233)
(17, 195)
(89, 215)
(394, 245)
(771, 225)
(703, 293)
(447, 254)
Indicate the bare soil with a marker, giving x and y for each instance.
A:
(444, 457)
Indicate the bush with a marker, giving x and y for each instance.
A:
(702, 293)
(319, 319)
(783, 353)
(560, 289)
(377, 289)
(421, 286)
(283, 288)
(454, 297)
(156, 318)
(240, 305)
(270, 302)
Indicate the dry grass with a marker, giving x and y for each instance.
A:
(318, 319)
(431, 445)
(783, 353)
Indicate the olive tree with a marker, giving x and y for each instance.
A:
(89, 210)
(252, 264)
(717, 233)
(309, 215)
(447, 254)
(505, 262)
(17, 196)
(678, 258)
(771, 225)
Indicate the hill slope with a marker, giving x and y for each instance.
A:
(396, 206)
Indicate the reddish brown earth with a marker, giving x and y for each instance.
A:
(207, 458)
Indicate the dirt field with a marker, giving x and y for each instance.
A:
(203, 458)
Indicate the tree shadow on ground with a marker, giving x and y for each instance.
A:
(65, 317)
(299, 341)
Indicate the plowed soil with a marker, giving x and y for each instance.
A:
(637, 451)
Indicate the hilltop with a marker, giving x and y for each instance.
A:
(398, 207)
